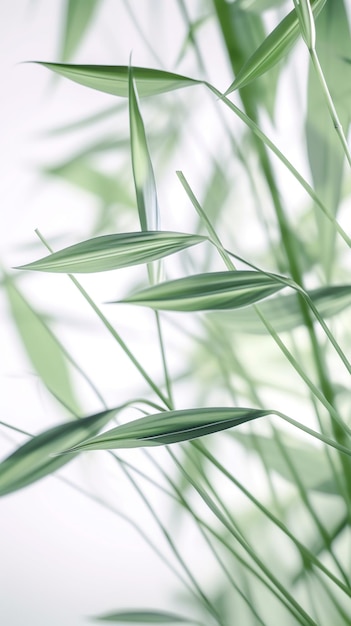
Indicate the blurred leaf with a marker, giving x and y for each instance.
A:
(326, 156)
(110, 252)
(113, 79)
(143, 617)
(41, 346)
(144, 179)
(258, 6)
(244, 31)
(170, 427)
(274, 47)
(284, 312)
(79, 172)
(79, 14)
(215, 290)
(310, 463)
(35, 459)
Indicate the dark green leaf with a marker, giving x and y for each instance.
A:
(171, 427)
(35, 459)
(110, 252)
(215, 290)
(113, 79)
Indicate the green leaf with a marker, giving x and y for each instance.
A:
(79, 14)
(143, 617)
(143, 173)
(284, 312)
(113, 79)
(81, 173)
(170, 427)
(273, 49)
(325, 153)
(215, 290)
(110, 252)
(310, 463)
(35, 459)
(41, 346)
(243, 32)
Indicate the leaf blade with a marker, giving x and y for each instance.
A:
(202, 292)
(35, 459)
(114, 79)
(171, 427)
(143, 617)
(109, 252)
(278, 43)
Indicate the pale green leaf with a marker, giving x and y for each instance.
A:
(79, 14)
(41, 346)
(278, 43)
(143, 617)
(310, 463)
(113, 79)
(284, 312)
(215, 290)
(110, 252)
(36, 458)
(171, 427)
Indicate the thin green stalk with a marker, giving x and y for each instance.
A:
(195, 588)
(168, 381)
(305, 552)
(263, 137)
(327, 540)
(112, 331)
(247, 548)
(307, 27)
(333, 114)
(226, 258)
(181, 499)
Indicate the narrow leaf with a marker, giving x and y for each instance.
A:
(143, 617)
(284, 312)
(144, 179)
(215, 290)
(273, 49)
(113, 79)
(35, 459)
(79, 14)
(41, 346)
(171, 427)
(110, 252)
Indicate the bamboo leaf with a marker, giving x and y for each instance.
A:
(41, 346)
(143, 617)
(110, 252)
(170, 427)
(113, 79)
(79, 14)
(144, 179)
(35, 459)
(215, 290)
(273, 49)
(284, 312)
(310, 462)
